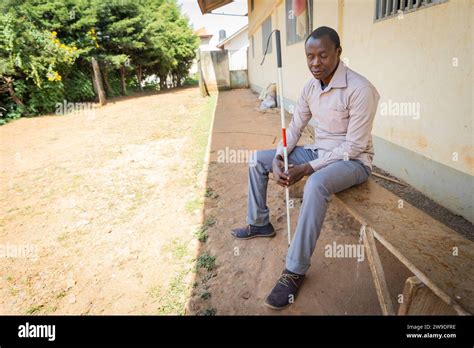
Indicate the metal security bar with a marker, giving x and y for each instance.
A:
(389, 8)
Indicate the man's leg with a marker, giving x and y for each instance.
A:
(258, 224)
(257, 210)
(319, 187)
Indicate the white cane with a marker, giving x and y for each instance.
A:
(283, 129)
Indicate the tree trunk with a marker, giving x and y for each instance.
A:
(98, 82)
(163, 84)
(202, 82)
(9, 88)
(105, 77)
(122, 78)
(139, 76)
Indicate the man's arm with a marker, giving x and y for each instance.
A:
(300, 119)
(362, 111)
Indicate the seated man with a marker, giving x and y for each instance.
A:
(343, 104)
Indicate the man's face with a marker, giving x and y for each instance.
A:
(322, 57)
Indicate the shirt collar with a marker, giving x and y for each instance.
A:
(339, 79)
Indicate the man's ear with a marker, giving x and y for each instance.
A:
(339, 51)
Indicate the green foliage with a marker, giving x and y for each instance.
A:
(46, 48)
(206, 261)
(78, 87)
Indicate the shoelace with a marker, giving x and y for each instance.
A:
(286, 277)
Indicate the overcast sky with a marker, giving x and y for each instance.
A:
(213, 23)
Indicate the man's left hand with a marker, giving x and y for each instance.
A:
(298, 172)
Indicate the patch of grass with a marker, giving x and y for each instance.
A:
(208, 276)
(208, 312)
(193, 205)
(201, 234)
(155, 292)
(61, 295)
(206, 295)
(209, 221)
(206, 261)
(63, 236)
(34, 309)
(178, 249)
(174, 298)
(210, 193)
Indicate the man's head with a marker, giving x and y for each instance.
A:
(323, 50)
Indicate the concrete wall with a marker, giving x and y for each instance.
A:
(423, 61)
(215, 69)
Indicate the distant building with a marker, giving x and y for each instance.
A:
(236, 45)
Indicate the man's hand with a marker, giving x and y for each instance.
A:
(294, 174)
(278, 167)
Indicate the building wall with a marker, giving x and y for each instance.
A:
(237, 48)
(423, 61)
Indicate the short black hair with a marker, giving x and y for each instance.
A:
(323, 31)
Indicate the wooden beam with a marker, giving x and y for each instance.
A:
(377, 271)
(418, 299)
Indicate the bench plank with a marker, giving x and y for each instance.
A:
(377, 272)
(424, 245)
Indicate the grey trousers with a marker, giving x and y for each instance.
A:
(320, 185)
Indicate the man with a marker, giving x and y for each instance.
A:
(343, 104)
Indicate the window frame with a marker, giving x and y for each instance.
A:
(267, 21)
(310, 5)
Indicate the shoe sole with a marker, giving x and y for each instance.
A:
(276, 308)
(256, 236)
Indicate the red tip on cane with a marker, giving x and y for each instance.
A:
(283, 132)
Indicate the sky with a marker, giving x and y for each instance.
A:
(213, 23)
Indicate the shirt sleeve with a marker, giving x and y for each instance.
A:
(362, 108)
(300, 119)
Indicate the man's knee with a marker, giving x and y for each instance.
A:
(262, 159)
(317, 185)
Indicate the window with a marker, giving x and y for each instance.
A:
(391, 8)
(299, 20)
(266, 31)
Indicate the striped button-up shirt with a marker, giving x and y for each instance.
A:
(344, 113)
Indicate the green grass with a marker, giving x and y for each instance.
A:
(201, 234)
(34, 309)
(193, 205)
(172, 301)
(210, 193)
(209, 222)
(208, 312)
(206, 295)
(206, 261)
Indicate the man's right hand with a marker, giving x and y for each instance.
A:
(278, 167)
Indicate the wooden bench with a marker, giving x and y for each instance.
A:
(441, 259)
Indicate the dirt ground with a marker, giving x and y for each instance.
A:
(112, 202)
(108, 202)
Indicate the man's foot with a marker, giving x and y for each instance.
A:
(285, 291)
(251, 231)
